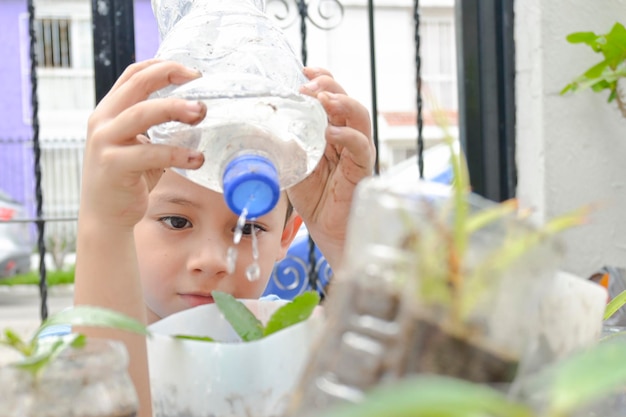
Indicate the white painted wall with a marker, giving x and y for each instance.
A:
(570, 149)
(345, 51)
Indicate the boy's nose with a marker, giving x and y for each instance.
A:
(209, 257)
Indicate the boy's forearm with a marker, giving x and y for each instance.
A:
(107, 276)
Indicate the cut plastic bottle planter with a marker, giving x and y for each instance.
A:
(230, 378)
(394, 311)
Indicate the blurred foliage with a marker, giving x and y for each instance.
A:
(32, 278)
(605, 74)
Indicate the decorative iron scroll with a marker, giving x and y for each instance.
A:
(323, 14)
(291, 276)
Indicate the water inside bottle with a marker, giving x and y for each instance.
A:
(253, 271)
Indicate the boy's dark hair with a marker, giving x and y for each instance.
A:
(289, 211)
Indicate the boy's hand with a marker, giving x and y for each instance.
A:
(120, 165)
(324, 198)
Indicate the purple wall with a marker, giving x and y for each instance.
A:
(16, 172)
(15, 162)
(11, 124)
(146, 31)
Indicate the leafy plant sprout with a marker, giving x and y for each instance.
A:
(445, 276)
(606, 74)
(38, 352)
(249, 327)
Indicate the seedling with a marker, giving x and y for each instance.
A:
(38, 352)
(605, 74)
(446, 275)
(249, 327)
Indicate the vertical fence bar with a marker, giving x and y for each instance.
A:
(418, 87)
(113, 41)
(41, 244)
(372, 43)
(486, 74)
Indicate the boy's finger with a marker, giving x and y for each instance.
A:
(130, 71)
(140, 84)
(346, 111)
(320, 84)
(357, 144)
(312, 72)
(138, 118)
(142, 158)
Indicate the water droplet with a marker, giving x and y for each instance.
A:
(241, 222)
(253, 272)
(255, 245)
(231, 259)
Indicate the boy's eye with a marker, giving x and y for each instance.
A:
(176, 222)
(247, 229)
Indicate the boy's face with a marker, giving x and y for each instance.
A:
(182, 245)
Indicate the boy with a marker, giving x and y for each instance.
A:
(151, 243)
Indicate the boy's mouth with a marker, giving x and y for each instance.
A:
(197, 299)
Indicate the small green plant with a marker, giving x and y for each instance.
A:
(605, 74)
(249, 327)
(446, 277)
(38, 352)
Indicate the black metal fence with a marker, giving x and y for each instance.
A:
(486, 108)
(60, 165)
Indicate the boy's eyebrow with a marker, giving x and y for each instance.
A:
(174, 199)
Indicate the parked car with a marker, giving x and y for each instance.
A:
(15, 247)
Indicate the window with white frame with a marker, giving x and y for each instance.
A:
(64, 52)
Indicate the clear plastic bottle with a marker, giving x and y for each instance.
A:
(91, 381)
(260, 134)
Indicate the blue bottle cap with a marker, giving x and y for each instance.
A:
(251, 182)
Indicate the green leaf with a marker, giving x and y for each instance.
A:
(299, 309)
(597, 70)
(432, 396)
(569, 87)
(587, 377)
(197, 338)
(14, 341)
(615, 304)
(615, 49)
(247, 326)
(37, 362)
(47, 352)
(96, 317)
(490, 214)
(601, 85)
(79, 342)
(588, 38)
